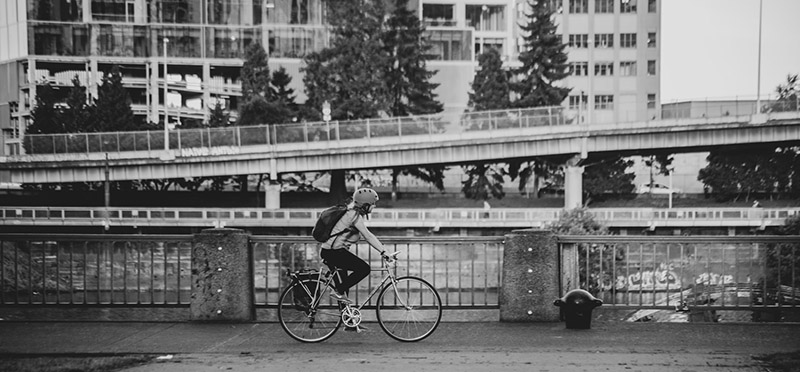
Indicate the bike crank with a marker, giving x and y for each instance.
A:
(351, 316)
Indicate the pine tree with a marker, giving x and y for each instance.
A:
(544, 61)
(350, 74)
(255, 73)
(112, 111)
(45, 118)
(284, 95)
(218, 116)
(490, 86)
(76, 114)
(408, 79)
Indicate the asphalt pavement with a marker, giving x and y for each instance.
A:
(484, 346)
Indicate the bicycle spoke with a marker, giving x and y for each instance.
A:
(410, 310)
(298, 318)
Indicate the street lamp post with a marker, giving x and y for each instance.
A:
(758, 86)
(166, 118)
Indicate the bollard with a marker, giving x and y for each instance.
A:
(222, 277)
(576, 308)
(530, 277)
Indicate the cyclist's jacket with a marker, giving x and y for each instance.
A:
(344, 240)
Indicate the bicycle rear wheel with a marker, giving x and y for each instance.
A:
(409, 310)
(301, 320)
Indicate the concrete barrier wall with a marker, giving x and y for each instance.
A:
(530, 277)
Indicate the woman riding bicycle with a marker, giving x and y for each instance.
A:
(335, 251)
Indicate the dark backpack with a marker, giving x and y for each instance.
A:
(326, 221)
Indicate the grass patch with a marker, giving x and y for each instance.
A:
(71, 364)
(783, 362)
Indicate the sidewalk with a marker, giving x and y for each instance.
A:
(188, 346)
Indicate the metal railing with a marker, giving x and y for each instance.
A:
(755, 273)
(106, 270)
(466, 271)
(155, 270)
(683, 273)
(307, 132)
(441, 217)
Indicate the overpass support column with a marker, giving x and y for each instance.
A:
(573, 187)
(273, 195)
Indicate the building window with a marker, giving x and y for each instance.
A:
(604, 6)
(627, 68)
(578, 41)
(627, 6)
(651, 6)
(604, 69)
(438, 14)
(450, 45)
(651, 39)
(604, 40)
(651, 68)
(627, 40)
(486, 18)
(604, 102)
(555, 6)
(578, 6)
(482, 45)
(580, 68)
(651, 101)
(577, 102)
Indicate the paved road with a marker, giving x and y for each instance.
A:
(490, 346)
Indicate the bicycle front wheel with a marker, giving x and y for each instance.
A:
(306, 313)
(409, 310)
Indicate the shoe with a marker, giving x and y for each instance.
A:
(341, 298)
(357, 329)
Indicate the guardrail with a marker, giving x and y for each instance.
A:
(693, 274)
(155, 270)
(432, 218)
(700, 273)
(307, 132)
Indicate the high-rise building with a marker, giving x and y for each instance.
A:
(179, 58)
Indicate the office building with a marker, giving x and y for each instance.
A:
(179, 58)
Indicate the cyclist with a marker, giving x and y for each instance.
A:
(336, 251)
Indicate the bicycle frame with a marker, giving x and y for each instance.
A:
(329, 275)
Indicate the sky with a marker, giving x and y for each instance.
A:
(709, 48)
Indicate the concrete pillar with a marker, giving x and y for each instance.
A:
(530, 277)
(573, 187)
(222, 277)
(272, 195)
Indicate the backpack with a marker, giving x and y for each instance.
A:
(326, 221)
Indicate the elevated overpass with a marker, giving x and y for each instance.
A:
(385, 143)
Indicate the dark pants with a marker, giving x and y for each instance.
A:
(345, 261)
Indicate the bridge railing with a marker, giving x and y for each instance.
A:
(427, 125)
(441, 217)
(156, 270)
(698, 272)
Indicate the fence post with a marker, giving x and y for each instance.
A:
(530, 277)
(222, 277)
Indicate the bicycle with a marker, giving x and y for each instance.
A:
(408, 308)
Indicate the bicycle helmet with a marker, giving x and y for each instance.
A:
(365, 197)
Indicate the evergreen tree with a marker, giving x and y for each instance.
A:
(607, 176)
(255, 73)
(258, 105)
(77, 113)
(284, 95)
(490, 87)
(351, 73)
(45, 118)
(544, 61)
(408, 79)
(112, 109)
(483, 182)
(218, 117)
